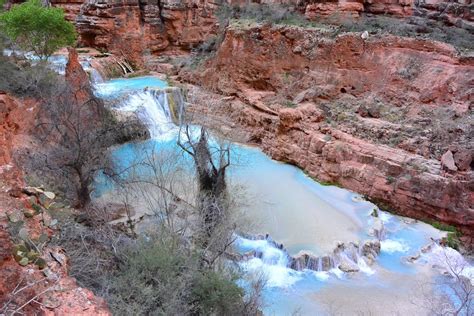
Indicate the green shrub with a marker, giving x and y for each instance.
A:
(452, 240)
(375, 212)
(161, 277)
(289, 104)
(263, 13)
(33, 27)
(216, 294)
(444, 227)
(23, 79)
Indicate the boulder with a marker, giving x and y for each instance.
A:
(363, 111)
(304, 95)
(413, 258)
(347, 265)
(427, 248)
(377, 230)
(371, 248)
(369, 259)
(327, 263)
(289, 118)
(374, 111)
(463, 159)
(447, 160)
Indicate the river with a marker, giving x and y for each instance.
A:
(304, 216)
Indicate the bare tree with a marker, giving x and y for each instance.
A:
(211, 163)
(451, 293)
(162, 183)
(75, 137)
(158, 183)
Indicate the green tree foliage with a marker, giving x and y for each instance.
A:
(36, 28)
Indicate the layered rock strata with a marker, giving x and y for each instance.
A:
(365, 114)
(137, 29)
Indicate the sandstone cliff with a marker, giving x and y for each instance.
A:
(136, 29)
(374, 116)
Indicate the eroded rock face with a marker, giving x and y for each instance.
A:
(136, 28)
(58, 293)
(317, 9)
(71, 7)
(457, 12)
(325, 67)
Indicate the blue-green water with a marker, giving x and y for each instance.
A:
(121, 86)
(293, 209)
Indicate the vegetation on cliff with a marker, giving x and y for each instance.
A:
(33, 27)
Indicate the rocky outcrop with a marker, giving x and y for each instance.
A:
(31, 288)
(77, 79)
(16, 118)
(458, 12)
(71, 8)
(135, 29)
(342, 9)
(326, 66)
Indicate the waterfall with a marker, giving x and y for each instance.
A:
(264, 255)
(94, 75)
(160, 110)
(346, 257)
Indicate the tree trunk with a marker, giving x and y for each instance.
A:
(83, 194)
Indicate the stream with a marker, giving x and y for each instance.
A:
(305, 217)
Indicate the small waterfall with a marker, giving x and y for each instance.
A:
(94, 75)
(160, 110)
(124, 65)
(57, 63)
(264, 255)
(350, 257)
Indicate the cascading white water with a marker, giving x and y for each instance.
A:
(94, 75)
(152, 107)
(269, 260)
